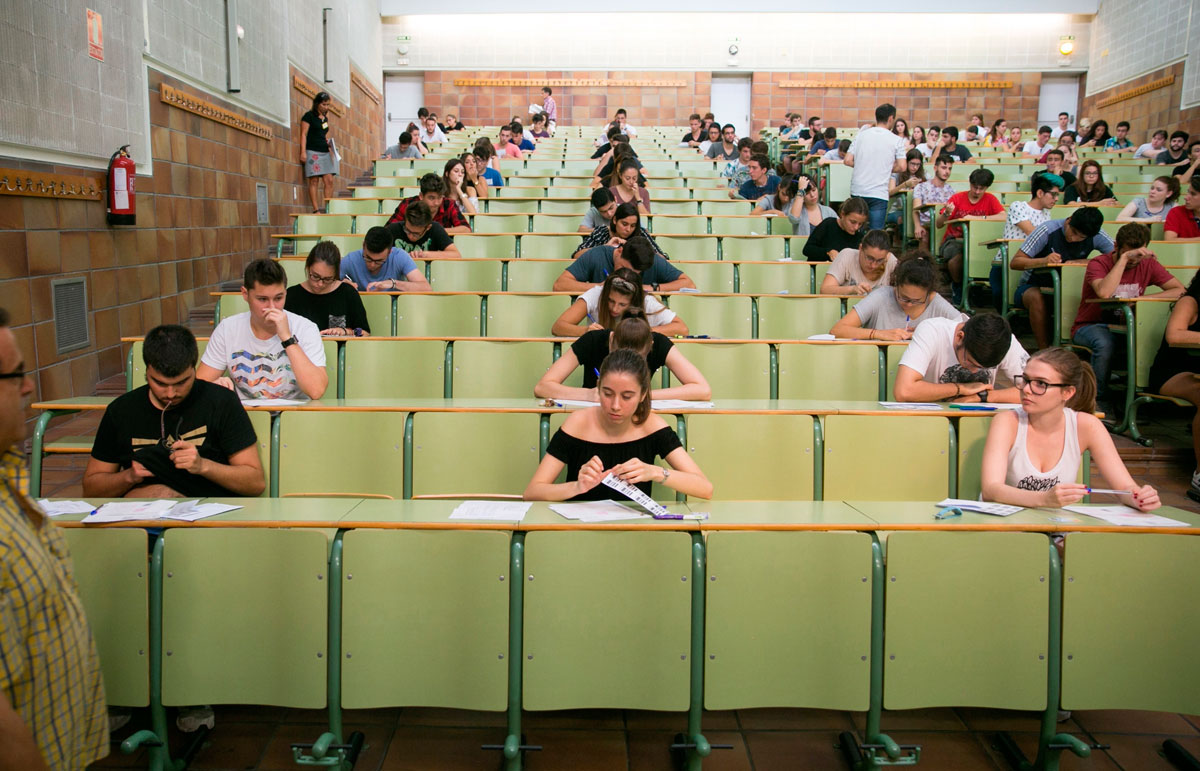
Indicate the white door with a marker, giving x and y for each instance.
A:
(403, 95)
(731, 101)
(1059, 93)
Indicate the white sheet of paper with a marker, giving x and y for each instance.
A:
(271, 402)
(1126, 516)
(491, 511)
(825, 336)
(911, 406)
(679, 404)
(124, 511)
(190, 511)
(597, 511)
(57, 508)
(574, 403)
(996, 509)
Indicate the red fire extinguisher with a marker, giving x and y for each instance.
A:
(120, 188)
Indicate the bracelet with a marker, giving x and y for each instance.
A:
(957, 389)
(666, 474)
(871, 334)
(393, 283)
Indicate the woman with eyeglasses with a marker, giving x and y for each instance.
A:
(324, 299)
(603, 305)
(1032, 456)
(631, 331)
(893, 312)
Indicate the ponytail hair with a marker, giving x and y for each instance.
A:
(1074, 372)
(633, 332)
(632, 363)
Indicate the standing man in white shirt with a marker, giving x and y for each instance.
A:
(268, 352)
(875, 155)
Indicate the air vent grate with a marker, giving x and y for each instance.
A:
(70, 314)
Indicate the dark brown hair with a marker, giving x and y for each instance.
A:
(626, 283)
(630, 362)
(1075, 372)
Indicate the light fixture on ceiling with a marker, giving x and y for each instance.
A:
(1066, 45)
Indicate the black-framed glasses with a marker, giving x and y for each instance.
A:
(1036, 386)
(15, 374)
(313, 277)
(902, 300)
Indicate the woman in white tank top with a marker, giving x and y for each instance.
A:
(1033, 455)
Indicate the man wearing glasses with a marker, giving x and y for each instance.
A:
(961, 361)
(52, 712)
(176, 436)
(381, 267)
(420, 236)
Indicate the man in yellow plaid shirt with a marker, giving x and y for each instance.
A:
(52, 711)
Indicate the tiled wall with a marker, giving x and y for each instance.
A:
(1133, 37)
(1148, 112)
(195, 228)
(657, 106)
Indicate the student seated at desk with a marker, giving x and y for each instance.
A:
(593, 266)
(603, 305)
(269, 352)
(1183, 222)
(381, 267)
(961, 362)
(420, 236)
(176, 436)
(621, 436)
(858, 271)
(631, 331)
(1033, 454)
(838, 233)
(1176, 372)
(974, 203)
(446, 211)
(1053, 243)
(1090, 187)
(625, 223)
(1156, 205)
(601, 211)
(893, 312)
(324, 299)
(1125, 272)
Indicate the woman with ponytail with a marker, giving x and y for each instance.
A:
(1032, 456)
(621, 437)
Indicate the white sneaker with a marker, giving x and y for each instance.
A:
(118, 719)
(1064, 715)
(190, 719)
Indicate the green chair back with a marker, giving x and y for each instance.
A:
(517, 315)
(839, 371)
(472, 275)
(688, 249)
(752, 248)
(548, 248)
(710, 275)
(733, 370)
(498, 223)
(364, 222)
(487, 247)
(370, 454)
(490, 369)
(725, 317)
(379, 312)
(242, 602)
(665, 223)
(727, 207)
(740, 226)
(352, 206)
(615, 601)
(501, 206)
(556, 223)
(796, 318)
(425, 315)
(403, 583)
(395, 369)
(763, 649)
(324, 223)
(110, 568)
(987, 593)
(774, 277)
(781, 445)
(872, 457)
(293, 270)
(500, 448)
(538, 275)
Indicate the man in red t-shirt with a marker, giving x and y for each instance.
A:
(1184, 221)
(974, 204)
(1123, 272)
(445, 211)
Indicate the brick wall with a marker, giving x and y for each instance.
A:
(1148, 112)
(196, 227)
(769, 103)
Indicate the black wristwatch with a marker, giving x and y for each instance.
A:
(290, 341)
(983, 395)
(654, 287)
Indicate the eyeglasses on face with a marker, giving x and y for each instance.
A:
(14, 375)
(901, 299)
(313, 277)
(1036, 386)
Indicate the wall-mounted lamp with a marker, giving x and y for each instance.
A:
(1066, 45)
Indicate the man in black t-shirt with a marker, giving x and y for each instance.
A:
(176, 436)
(420, 236)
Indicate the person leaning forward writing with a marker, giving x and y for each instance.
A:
(52, 705)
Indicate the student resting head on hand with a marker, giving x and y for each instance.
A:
(603, 305)
(621, 437)
(1033, 454)
(893, 312)
(632, 331)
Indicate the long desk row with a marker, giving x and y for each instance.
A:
(750, 448)
(344, 604)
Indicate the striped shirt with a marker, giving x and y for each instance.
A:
(49, 669)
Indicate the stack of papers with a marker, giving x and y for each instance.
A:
(597, 511)
(1126, 516)
(127, 511)
(57, 508)
(271, 402)
(491, 511)
(996, 509)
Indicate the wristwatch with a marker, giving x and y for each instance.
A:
(666, 474)
(290, 341)
(983, 395)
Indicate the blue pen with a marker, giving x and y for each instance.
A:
(590, 318)
(597, 371)
(668, 516)
(972, 407)
(906, 320)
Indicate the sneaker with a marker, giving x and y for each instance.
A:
(1193, 490)
(1064, 715)
(190, 719)
(117, 719)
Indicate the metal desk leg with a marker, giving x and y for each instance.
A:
(691, 748)
(37, 452)
(1130, 367)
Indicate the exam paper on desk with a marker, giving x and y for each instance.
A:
(1126, 516)
(491, 511)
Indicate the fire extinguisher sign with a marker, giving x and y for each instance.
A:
(95, 35)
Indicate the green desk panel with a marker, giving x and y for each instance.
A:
(111, 568)
(425, 619)
(788, 620)
(966, 620)
(1130, 623)
(607, 620)
(244, 617)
